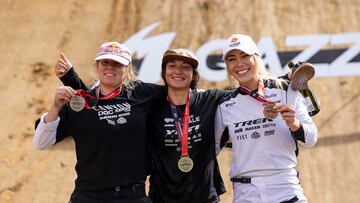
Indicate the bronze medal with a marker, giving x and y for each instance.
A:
(269, 111)
(185, 164)
(77, 103)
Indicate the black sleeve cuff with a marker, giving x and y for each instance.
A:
(299, 134)
(224, 138)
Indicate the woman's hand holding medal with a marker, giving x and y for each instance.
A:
(63, 95)
(288, 112)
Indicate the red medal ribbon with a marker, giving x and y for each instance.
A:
(183, 133)
(84, 95)
(259, 95)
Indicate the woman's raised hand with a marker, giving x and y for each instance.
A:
(62, 66)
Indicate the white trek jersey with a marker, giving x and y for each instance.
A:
(263, 147)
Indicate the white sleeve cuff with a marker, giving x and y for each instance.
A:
(45, 133)
(50, 125)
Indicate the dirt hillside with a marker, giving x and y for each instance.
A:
(34, 32)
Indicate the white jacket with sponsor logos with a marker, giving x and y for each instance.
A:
(261, 146)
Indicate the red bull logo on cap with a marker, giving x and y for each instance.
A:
(115, 50)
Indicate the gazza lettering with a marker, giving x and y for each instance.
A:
(342, 65)
(150, 49)
(252, 122)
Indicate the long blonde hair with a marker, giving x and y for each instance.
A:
(130, 75)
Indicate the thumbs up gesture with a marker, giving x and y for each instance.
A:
(62, 66)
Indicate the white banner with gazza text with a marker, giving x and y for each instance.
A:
(328, 62)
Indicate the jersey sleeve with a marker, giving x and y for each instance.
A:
(48, 134)
(219, 130)
(143, 90)
(72, 79)
(219, 94)
(307, 134)
(45, 133)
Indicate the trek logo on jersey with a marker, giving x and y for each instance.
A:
(252, 122)
(253, 126)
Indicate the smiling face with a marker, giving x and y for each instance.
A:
(111, 74)
(178, 75)
(243, 68)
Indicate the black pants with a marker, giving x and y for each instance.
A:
(124, 194)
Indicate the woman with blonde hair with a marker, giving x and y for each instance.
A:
(266, 120)
(108, 124)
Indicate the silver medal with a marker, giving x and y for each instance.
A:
(77, 103)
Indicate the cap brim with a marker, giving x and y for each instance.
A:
(115, 58)
(191, 61)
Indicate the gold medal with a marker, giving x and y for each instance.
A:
(77, 103)
(185, 164)
(269, 111)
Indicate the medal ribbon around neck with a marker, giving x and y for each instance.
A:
(110, 95)
(259, 95)
(268, 111)
(182, 130)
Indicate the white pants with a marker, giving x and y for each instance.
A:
(271, 189)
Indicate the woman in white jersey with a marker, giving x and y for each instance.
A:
(265, 120)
